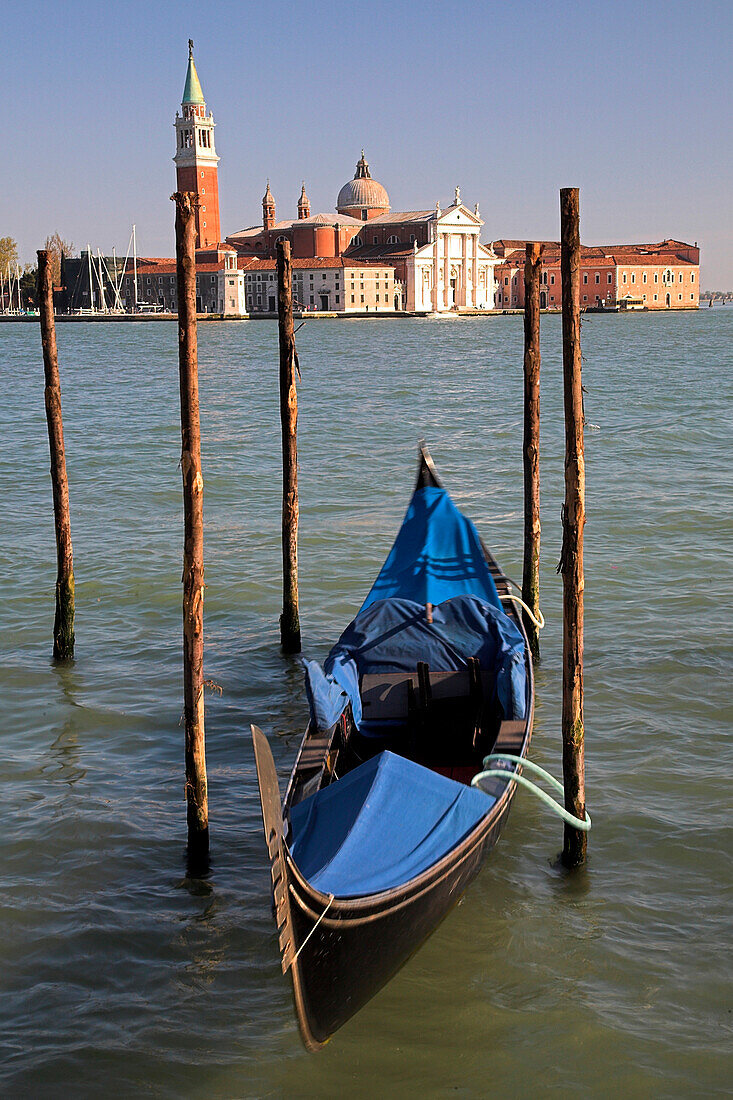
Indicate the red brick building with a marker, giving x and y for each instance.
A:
(624, 276)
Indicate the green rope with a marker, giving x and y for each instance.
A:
(502, 773)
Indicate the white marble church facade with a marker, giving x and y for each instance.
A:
(453, 271)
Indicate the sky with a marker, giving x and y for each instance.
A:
(630, 102)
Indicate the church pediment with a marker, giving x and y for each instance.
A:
(459, 216)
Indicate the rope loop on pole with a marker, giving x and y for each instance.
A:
(510, 776)
(538, 622)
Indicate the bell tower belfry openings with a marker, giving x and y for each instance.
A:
(196, 160)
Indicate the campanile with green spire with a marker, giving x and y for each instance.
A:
(196, 160)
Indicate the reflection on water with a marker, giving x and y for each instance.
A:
(120, 972)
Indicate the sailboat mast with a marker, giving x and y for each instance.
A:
(91, 283)
(134, 262)
(100, 280)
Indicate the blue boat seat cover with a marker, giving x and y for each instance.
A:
(393, 635)
(381, 825)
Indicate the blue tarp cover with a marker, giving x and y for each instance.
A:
(393, 635)
(436, 558)
(329, 693)
(437, 555)
(385, 822)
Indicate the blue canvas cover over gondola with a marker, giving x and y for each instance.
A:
(437, 555)
(344, 838)
(437, 559)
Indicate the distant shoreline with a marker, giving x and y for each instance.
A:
(208, 318)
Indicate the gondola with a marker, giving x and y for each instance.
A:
(381, 831)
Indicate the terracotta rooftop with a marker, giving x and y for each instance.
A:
(253, 263)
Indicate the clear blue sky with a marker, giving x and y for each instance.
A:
(629, 101)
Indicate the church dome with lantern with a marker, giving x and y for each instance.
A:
(362, 197)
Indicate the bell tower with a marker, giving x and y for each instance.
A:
(268, 208)
(196, 160)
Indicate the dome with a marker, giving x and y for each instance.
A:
(362, 193)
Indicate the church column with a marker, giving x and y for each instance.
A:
(446, 269)
(464, 271)
(436, 245)
(474, 266)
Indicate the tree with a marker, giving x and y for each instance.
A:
(28, 291)
(8, 254)
(58, 247)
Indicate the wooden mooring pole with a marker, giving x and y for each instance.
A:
(290, 619)
(193, 542)
(531, 451)
(63, 626)
(573, 517)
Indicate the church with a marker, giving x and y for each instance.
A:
(438, 260)
(362, 258)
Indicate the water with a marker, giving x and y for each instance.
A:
(119, 974)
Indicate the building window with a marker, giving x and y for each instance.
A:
(362, 297)
(552, 279)
(610, 277)
(598, 277)
(623, 277)
(692, 277)
(352, 299)
(506, 280)
(643, 278)
(633, 277)
(585, 278)
(338, 299)
(324, 275)
(692, 297)
(394, 239)
(311, 299)
(656, 278)
(655, 297)
(375, 240)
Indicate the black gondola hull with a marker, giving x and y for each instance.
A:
(341, 951)
(350, 954)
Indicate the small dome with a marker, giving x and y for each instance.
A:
(362, 193)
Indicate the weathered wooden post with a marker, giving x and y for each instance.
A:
(531, 573)
(193, 542)
(290, 619)
(63, 626)
(573, 516)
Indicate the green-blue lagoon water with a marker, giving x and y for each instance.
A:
(119, 975)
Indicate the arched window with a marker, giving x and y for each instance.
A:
(278, 239)
(357, 242)
(394, 239)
